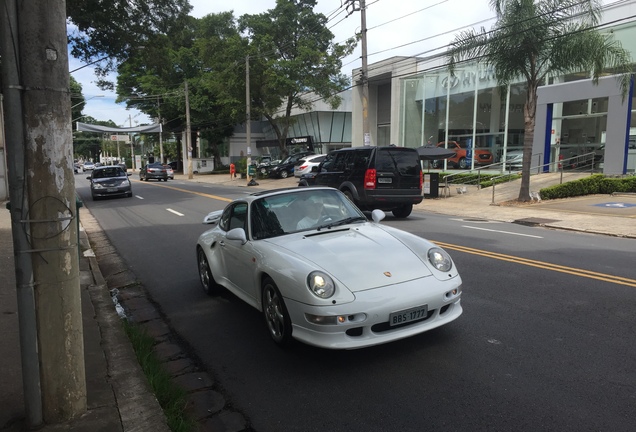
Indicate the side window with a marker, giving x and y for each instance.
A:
(361, 161)
(340, 162)
(327, 165)
(234, 216)
(224, 222)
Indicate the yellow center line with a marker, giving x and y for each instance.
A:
(216, 197)
(541, 264)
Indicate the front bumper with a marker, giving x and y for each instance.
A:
(370, 312)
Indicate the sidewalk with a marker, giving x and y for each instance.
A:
(119, 398)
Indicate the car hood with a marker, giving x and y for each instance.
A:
(358, 256)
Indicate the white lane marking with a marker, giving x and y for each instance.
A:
(138, 197)
(175, 212)
(502, 232)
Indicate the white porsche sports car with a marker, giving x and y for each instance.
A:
(322, 273)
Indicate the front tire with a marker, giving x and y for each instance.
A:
(403, 212)
(209, 285)
(275, 314)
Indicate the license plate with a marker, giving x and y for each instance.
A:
(385, 180)
(111, 190)
(408, 315)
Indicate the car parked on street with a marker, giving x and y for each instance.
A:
(386, 178)
(286, 167)
(462, 156)
(320, 272)
(305, 165)
(170, 171)
(107, 181)
(154, 171)
(87, 166)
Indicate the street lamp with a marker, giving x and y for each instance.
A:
(84, 101)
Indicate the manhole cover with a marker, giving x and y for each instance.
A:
(535, 221)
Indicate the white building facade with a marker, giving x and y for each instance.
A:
(415, 101)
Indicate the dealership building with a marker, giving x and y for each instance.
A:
(416, 101)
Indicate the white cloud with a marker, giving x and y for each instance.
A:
(393, 26)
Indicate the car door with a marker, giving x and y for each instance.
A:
(238, 265)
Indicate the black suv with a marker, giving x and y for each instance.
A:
(386, 178)
(286, 167)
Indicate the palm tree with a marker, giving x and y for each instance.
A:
(534, 39)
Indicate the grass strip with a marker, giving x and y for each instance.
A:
(171, 397)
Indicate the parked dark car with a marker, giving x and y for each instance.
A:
(109, 181)
(155, 171)
(385, 178)
(286, 167)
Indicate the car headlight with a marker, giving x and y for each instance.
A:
(440, 259)
(97, 186)
(321, 284)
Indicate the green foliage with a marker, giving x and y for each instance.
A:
(594, 184)
(114, 30)
(292, 55)
(171, 397)
(483, 179)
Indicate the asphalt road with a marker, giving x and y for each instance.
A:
(544, 342)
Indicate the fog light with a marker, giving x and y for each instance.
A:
(321, 320)
(342, 319)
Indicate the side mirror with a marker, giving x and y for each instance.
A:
(237, 234)
(377, 215)
(88, 178)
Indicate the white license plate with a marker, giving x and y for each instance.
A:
(408, 315)
(111, 190)
(385, 180)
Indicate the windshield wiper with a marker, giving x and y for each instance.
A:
(344, 222)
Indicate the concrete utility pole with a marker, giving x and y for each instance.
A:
(188, 140)
(43, 208)
(248, 120)
(364, 72)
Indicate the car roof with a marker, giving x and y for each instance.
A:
(283, 191)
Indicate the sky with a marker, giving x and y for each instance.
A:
(395, 28)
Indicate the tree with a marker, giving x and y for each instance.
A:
(105, 31)
(203, 52)
(534, 39)
(291, 56)
(77, 99)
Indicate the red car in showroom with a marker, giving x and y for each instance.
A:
(461, 158)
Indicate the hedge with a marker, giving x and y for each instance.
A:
(594, 184)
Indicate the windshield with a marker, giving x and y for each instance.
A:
(301, 211)
(109, 172)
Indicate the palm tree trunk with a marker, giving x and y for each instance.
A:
(529, 113)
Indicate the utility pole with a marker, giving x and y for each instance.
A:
(43, 207)
(132, 149)
(248, 120)
(160, 129)
(365, 68)
(188, 132)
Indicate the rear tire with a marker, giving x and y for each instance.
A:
(463, 164)
(284, 174)
(403, 212)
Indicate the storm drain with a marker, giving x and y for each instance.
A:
(534, 221)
